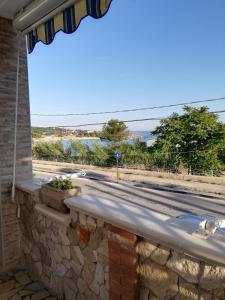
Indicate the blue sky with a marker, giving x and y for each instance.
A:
(154, 53)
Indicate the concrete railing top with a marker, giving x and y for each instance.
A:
(160, 228)
(31, 186)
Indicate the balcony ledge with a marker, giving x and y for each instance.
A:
(165, 230)
(31, 186)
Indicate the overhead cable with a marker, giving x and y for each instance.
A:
(130, 110)
(131, 121)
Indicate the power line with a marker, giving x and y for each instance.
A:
(129, 110)
(131, 121)
(104, 123)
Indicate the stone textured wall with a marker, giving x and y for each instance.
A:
(86, 258)
(167, 274)
(9, 230)
(72, 261)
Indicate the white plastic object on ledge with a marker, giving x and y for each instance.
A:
(208, 227)
(72, 176)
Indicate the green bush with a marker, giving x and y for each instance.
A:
(61, 184)
(99, 155)
(80, 152)
(47, 150)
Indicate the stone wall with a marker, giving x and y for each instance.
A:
(70, 258)
(9, 230)
(168, 274)
(78, 256)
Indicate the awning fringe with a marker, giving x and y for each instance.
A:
(67, 21)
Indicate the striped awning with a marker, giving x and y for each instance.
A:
(67, 21)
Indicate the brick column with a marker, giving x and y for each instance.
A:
(122, 264)
(9, 230)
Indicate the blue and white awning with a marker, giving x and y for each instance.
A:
(68, 21)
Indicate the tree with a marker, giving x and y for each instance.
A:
(99, 154)
(192, 140)
(80, 151)
(134, 155)
(115, 131)
(48, 150)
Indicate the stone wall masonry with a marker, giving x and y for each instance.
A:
(9, 230)
(72, 261)
(168, 274)
(83, 257)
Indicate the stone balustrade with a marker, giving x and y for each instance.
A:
(105, 250)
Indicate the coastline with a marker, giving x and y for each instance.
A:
(59, 138)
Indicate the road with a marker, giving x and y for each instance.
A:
(167, 202)
(194, 183)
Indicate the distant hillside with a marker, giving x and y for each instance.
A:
(40, 132)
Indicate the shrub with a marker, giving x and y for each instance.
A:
(61, 184)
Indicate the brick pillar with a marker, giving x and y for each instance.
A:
(9, 230)
(122, 264)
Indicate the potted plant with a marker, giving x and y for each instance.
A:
(56, 191)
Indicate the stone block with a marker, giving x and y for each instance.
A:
(103, 247)
(36, 254)
(82, 219)
(76, 267)
(144, 293)
(145, 248)
(213, 277)
(63, 236)
(40, 295)
(89, 295)
(219, 293)
(184, 266)
(100, 223)
(91, 224)
(89, 272)
(159, 279)
(78, 254)
(95, 287)
(60, 270)
(7, 286)
(203, 295)
(82, 285)
(104, 294)
(66, 251)
(187, 291)
(160, 256)
(38, 269)
(22, 278)
(74, 216)
(70, 289)
(99, 274)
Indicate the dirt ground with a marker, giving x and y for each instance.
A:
(202, 184)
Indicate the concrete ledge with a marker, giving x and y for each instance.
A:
(29, 186)
(162, 229)
(63, 219)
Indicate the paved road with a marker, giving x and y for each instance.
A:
(168, 202)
